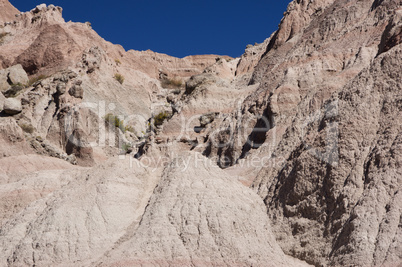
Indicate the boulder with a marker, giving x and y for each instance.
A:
(13, 76)
(17, 75)
(76, 91)
(12, 106)
(61, 88)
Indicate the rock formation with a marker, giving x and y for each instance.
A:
(7, 11)
(290, 155)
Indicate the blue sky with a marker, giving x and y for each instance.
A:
(176, 27)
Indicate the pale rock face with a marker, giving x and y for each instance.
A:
(309, 120)
(305, 64)
(83, 213)
(49, 45)
(223, 68)
(310, 65)
(200, 216)
(27, 178)
(375, 184)
(251, 57)
(39, 8)
(205, 80)
(359, 212)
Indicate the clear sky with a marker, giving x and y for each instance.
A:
(176, 27)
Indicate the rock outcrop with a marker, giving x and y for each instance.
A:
(200, 216)
(7, 11)
(297, 119)
(13, 142)
(287, 156)
(335, 198)
(73, 216)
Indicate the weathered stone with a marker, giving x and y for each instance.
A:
(61, 88)
(207, 118)
(13, 90)
(76, 91)
(392, 35)
(170, 99)
(14, 75)
(38, 8)
(78, 145)
(198, 80)
(62, 77)
(17, 75)
(72, 75)
(12, 106)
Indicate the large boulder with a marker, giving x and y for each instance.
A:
(17, 75)
(12, 106)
